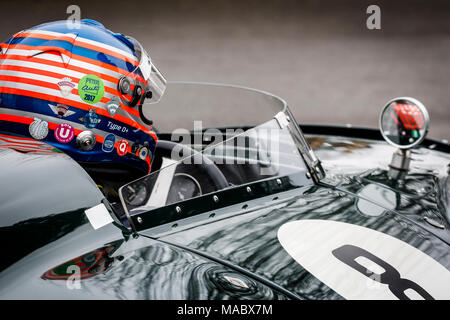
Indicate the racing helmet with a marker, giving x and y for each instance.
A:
(81, 90)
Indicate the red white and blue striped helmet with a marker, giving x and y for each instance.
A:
(80, 90)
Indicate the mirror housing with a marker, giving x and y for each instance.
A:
(404, 123)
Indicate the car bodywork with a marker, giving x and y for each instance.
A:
(247, 248)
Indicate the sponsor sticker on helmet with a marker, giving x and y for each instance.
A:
(38, 129)
(61, 110)
(143, 153)
(66, 86)
(64, 133)
(91, 119)
(115, 127)
(91, 89)
(108, 143)
(112, 106)
(122, 148)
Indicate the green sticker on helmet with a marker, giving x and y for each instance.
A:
(91, 89)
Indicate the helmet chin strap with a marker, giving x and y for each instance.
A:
(143, 118)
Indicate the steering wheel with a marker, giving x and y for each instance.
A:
(165, 148)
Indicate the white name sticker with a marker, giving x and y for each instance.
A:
(361, 263)
(98, 216)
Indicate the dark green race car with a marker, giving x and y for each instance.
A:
(241, 203)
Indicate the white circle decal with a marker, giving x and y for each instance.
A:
(361, 263)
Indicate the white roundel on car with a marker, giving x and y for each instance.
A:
(361, 263)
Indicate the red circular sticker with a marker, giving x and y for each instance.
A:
(122, 148)
(64, 133)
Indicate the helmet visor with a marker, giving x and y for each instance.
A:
(156, 83)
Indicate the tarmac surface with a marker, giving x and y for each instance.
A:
(317, 55)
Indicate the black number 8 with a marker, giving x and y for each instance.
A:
(391, 277)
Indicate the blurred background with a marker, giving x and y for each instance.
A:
(318, 55)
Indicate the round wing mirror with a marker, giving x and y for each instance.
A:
(404, 122)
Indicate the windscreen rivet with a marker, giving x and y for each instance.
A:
(308, 175)
(279, 182)
(216, 199)
(177, 209)
(139, 219)
(249, 189)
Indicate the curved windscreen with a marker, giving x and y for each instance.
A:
(184, 105)
(213, 142)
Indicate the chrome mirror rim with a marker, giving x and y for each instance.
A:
(422, 109)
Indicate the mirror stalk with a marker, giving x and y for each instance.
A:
(399, 165)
